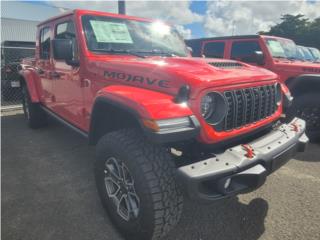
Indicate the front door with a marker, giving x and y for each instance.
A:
(67, 87)
(244, 50)
(44, 66)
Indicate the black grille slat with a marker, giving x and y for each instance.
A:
(228, 119)
(257, 105)
(235, 109)
(247, 106)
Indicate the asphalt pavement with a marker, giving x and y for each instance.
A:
(48, 193)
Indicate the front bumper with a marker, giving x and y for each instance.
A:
(243, 168)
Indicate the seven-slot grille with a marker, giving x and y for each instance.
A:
(247, 106)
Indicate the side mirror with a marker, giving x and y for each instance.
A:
(258, 57)
(63, 50)
(190, 49)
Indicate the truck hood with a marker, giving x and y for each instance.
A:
(168, 74)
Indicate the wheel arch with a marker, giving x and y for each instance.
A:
(307, 83)
(109, 115)
(27, 79)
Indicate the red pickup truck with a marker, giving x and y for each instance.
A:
(280, 56)
(163, 122)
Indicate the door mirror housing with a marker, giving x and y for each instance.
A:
(63, 50)
(257, 57)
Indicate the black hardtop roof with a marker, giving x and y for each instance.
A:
(227, 37)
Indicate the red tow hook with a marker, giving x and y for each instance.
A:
(249, 150)
(295, 127)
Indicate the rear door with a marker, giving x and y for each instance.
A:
(214, 49)
(69, 101)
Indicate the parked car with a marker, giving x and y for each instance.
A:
(280, 56)
(163, 122)
(12, 52)
(306, 54)
(315, 53)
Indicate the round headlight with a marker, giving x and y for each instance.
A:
(207, 106)
(213, 107)
(278, 94)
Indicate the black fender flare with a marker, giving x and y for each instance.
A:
(304, 84)
(96, 112)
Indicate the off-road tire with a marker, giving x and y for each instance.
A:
(33, 113)
(153, 171)
(307, 107)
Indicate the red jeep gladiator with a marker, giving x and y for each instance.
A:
(166, 125)
(280, 56)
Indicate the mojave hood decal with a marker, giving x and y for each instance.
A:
(127, 77)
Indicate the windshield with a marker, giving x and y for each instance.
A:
(115, 35)
(282, 48)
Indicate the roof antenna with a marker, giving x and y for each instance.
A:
(121, 6)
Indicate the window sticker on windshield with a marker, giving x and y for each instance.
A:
(110, 32)
(276, 47)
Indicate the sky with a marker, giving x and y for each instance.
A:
(193, 19)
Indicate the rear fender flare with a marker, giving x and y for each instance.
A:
(28, 77)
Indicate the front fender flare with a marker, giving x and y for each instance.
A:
(141, 104)
(304, 83)
(145, 103)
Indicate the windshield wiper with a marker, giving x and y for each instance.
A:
(157, 52)
(138, 53)
(125, 51)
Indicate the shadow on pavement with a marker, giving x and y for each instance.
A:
(312, 154)
(49, 193)
(224, 220)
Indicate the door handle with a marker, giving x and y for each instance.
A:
(54, 75)
(85, 83)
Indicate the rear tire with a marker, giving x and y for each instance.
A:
(157, 202)
(33, 113)
(307, 107)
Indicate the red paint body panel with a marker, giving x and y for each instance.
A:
(286, 69)
(147, 85)
(149, 104)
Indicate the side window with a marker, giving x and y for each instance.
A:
(244, 51)
(45, 43)
(214, 49)
(66, 30)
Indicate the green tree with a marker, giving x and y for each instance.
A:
(299, 29)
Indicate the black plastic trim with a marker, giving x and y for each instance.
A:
(301, 83)
(64, 122)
